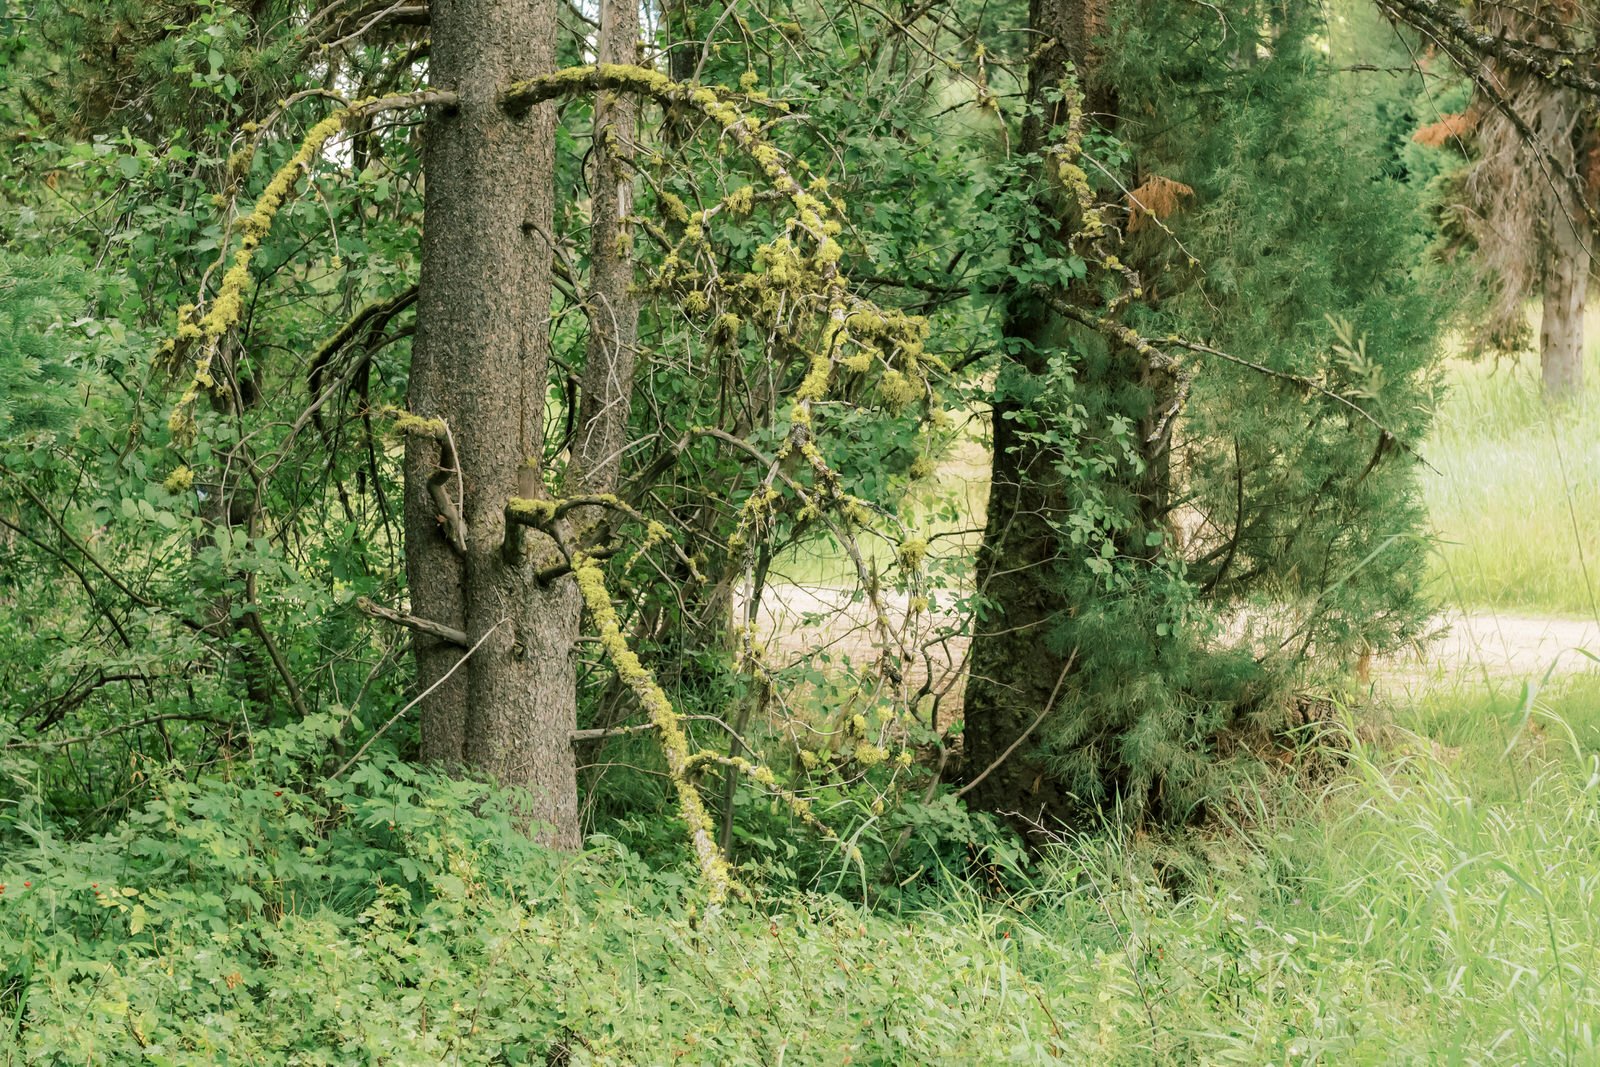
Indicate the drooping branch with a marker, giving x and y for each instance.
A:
(228, 306)
(1554, 171)
(368, 321)
(1562, 67)
(853, 331)
(653, 699)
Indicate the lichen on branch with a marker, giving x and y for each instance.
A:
(714, 869)
(227, 307)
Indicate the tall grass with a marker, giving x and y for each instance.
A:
(1516, 504)
(1436, 901)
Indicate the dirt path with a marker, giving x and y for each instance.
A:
(1499, 645)
(1496, 645)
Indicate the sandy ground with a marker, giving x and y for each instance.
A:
(1497, 645)
(1487, 645)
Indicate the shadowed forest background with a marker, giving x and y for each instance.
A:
(848, 532)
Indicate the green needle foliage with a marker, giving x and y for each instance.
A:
(1282, 533)
(41, 339)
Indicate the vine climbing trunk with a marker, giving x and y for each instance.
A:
(477, 389)
(1017, 669)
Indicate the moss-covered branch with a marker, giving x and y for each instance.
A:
(642, 683)
(450, 511)
(207, 329)
(543, 514)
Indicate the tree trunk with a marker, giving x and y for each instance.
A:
(1015, 672)
(1566, 286)
(479, 364)
(1567, 233)
(612, 303)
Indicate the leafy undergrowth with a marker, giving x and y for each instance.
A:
(1434, 900)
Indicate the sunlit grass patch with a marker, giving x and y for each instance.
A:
(1516, 502)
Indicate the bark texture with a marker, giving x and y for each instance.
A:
(479, 364)
(612, 304)
(1564, 274)
(1014, 672)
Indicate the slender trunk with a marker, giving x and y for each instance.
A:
(479, 364)
(1563, 122)
(1565, 271)
(1565, 289)
(613, 305)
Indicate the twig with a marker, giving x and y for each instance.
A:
(419, 699)
(124, 728)
(1023, 736)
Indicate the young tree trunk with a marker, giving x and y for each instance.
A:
(479, 364)
(1565, 290)
(612, 303)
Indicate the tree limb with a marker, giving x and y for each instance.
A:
(413, 622)
(1558, 66)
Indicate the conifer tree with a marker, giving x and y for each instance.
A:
(1525, 200)
(1205, 439)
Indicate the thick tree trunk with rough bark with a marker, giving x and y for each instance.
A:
(479, 364)
(1015, 673)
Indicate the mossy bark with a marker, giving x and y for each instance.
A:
(479, 364)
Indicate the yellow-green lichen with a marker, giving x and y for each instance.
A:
(227, 307)
(714, 869)
(898, 389)
(912, 551)
(538, 512)
(181, 479)
(741, 200)
(676, 209)
(406, 424)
